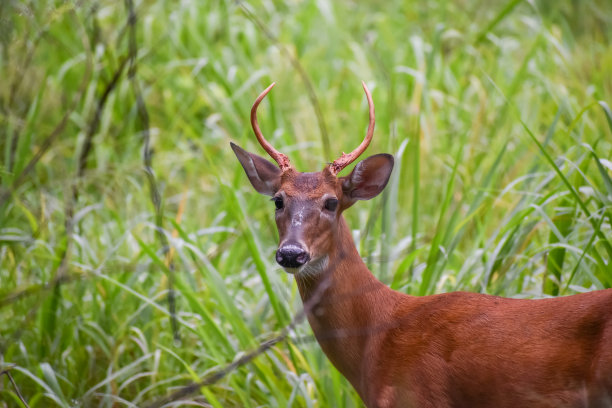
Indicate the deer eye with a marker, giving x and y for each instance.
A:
(331, 204)
(278, 202)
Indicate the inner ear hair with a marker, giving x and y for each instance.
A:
(368, 178)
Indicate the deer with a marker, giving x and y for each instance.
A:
(456, 349)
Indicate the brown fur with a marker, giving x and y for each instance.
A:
(460, 349)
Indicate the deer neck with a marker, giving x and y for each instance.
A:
(344, 305)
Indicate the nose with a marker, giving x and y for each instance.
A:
(292, 256)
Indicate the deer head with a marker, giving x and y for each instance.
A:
(309, 206)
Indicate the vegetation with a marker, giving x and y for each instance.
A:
(122, 205)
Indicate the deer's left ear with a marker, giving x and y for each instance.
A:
(263, 175)
(368, 178)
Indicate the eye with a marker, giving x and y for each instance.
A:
(331, 204)
(278, 202)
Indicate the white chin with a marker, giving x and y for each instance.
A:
(293, 271)
(313, 267)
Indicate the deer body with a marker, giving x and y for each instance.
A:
(459, 349)
(449, 350)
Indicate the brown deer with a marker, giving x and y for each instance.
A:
(448, 350)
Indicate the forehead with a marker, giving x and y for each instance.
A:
(310, 185)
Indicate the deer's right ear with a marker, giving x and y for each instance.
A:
(263, 175)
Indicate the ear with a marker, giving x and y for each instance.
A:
(263, 175)
(368, 179)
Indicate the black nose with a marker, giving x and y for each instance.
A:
(292, 256)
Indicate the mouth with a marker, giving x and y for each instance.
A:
(312, 267)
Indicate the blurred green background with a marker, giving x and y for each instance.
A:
(118, 186)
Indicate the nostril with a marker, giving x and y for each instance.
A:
(302, 258)
(292, 256)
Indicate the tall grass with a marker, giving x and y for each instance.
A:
(497, 113)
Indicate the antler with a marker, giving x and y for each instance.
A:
(281, 159)
(346, 159)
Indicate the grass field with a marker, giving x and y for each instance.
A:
(135, 257)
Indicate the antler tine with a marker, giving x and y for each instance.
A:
(281, 159)
(346, 159)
